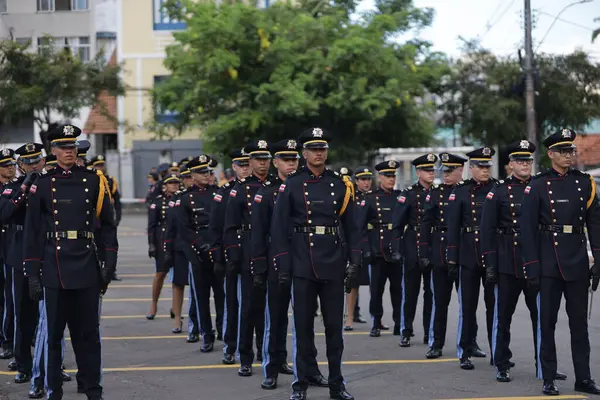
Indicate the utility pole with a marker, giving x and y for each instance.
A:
(529, 89)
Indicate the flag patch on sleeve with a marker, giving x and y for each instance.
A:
(490, 196)
(218, 198)
(258, 198)
(527, 189)
(401, 199)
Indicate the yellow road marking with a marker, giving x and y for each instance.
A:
(185, 337)
(566, 396)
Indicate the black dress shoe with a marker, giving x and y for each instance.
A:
(269, 383)
(405, 341)
(193, 338)
(348, 328)
(375, 332)
(587, 386)
(245, 370)
(298, 395)
(550, 389)
(396, 331)
(285, 369)
(466, 364)
(511, 364)
(65, 376)
(12, 365)
(559, 376)
(207, 347)
(22, 378)
(359, 320)
(36, 393)
(228, 359)
(503, 376)
(340, 394)
(116, 278)
(434, 353)
(6, 354)
(317, 380)
(478, 353)
(384, 327)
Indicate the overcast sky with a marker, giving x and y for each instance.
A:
(498, 23)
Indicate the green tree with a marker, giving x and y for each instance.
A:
(484, 93)
(238, 72)
(49, 82)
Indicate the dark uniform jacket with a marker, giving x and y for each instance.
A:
(5, 235)
(554, 212)
(262, 211)
(61, 210)
(375, 212)
(310, 217)
(12, 213)
(116, 197)
(193, 209)
(500, 234)
(217, 222)
(157, 224)
(236, 235)
(434, 225)
(406, 222)
(464, 219)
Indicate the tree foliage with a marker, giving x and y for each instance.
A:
(484, 93)
(239, 71)
(49, 81)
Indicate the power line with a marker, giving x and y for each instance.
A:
(489, 27)
(567, 21)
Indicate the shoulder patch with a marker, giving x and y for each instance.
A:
(7, 192)
(257, 198)
(527, 189)
(218, 198)
(282, 188)
(233, 193)
(490, 195)
(402, 199)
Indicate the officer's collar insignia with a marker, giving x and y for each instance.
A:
(445, 157)
(317, 132)
(487, 151)
(501, 181)
(6, 152)
(291, 144)
(202, 158)
(262, 144)
(68, 130)
(430, 157)
(30, 147)
(267, 183)
(566, 133)
(344, 170)
(524, 144)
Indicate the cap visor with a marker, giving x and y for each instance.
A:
(387, 173)
(482, 163)
(260, 156)
(447, 168)
(315, 146)
(426, 168)
(7, 163)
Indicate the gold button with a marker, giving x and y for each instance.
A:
(87, 190)
(53, 179)
(57, 247)
(56, 223)
(556, 243)
(84, 179)
(55, 211)
(516, 243)
(87, 200)
(54, 189)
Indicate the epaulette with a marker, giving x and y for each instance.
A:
(267, 183)
(226, 186)
(579, 173)
(47, 173)
(463, 183)
(159, 196)
(540, 174)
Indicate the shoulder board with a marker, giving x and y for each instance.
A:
(540, 174)
(243, 180)
(336, 173)
(227, 185)
(15, 180)
(47, 173)
(159, 196)
(579, 173)
(267, 183)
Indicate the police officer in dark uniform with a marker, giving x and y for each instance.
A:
(464, 253)
(378, 207)
(157, 221)
(83, 146)
(432, 250)
(406, 222)
(265, 276)
(313, 217)
(31, 163)
(193, 216)
(59, 254)
(7, 174)
(238, 247)
(557, 205)
(232, 285)
(99, 163)
(363, 180)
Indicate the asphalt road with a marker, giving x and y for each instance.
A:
(144, 360)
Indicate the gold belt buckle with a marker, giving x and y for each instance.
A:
(568, 228)
(389, 227)
(71, 235)
(320, 230)
(370, 227)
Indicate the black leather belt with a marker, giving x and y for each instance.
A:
(317, 230)
(381, 226)
(71, 235)
(18, 227)
(200, 227)
(439, 229)
(508, 231)
(416, 228)
(244, 228)
(562, 228)
(469, 229)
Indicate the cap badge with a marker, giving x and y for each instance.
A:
(202, 158)
(317, 132)
(6, 152)
(445, 157)
(487, 151)
(291, 144)
(30, 147)
(262, 144)
(430, 157)
(566, 133)
(344, 171)
(100, 157)
(392, 164)
(68, 130)
(524, 144)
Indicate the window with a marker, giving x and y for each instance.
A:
(80, 5)
(3, 6)
(78, 46)
(163, 116)
(263, 3)
(162, 21)
(45, 5)
(23, 41)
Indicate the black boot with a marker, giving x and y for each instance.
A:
(270, 383)
(550, 388)
(245, 370)
(405, 341)
(285, 369)
(503, 376)
(298, 395)
(434, 353)
(466, 364)
(340, 394)
(587, 386)
(36, 393)
(22, 378)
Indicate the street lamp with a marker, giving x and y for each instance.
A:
(557, 17)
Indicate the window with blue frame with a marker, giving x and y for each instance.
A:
(160, 115)
(162, 21)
